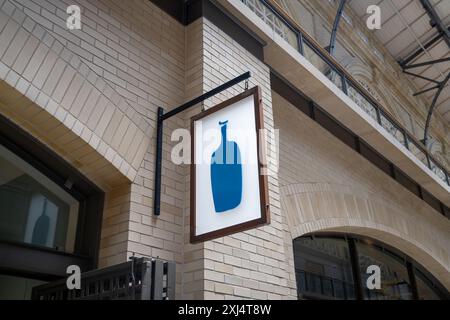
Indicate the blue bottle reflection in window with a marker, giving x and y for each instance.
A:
(41, 228)
(226, 174)
(42, 221)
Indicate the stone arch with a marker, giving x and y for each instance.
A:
(312, 208)
(63, 102)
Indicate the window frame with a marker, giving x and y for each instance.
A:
(22, 259)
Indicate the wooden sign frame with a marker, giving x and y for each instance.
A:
(263, 184)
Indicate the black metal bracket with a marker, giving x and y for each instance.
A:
(160, 126)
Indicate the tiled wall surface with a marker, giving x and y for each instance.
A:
(326, 186)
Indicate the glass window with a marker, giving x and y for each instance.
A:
(17, 288)
(395, 284)
(425, 288)
(323, 268)
(33, 209)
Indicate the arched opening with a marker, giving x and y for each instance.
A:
(340, 266)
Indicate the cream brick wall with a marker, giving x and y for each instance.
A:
(87, 119)
(250, 264)
(192, 276)
(92, 95)
(327, 186)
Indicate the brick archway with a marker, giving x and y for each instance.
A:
(344, 210)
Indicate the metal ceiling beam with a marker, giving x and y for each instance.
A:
(337, 19)
(433, 105)
(426, 90)
(436, 20)
(422, 64)
(421, 50)
(421, 77)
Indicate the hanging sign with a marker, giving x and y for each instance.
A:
(228, 190)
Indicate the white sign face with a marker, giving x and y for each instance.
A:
(229, 194)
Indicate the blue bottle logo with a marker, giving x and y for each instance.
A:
(226, 174)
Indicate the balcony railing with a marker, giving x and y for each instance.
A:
(315, 286)
(138, 279)
(275, 17)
